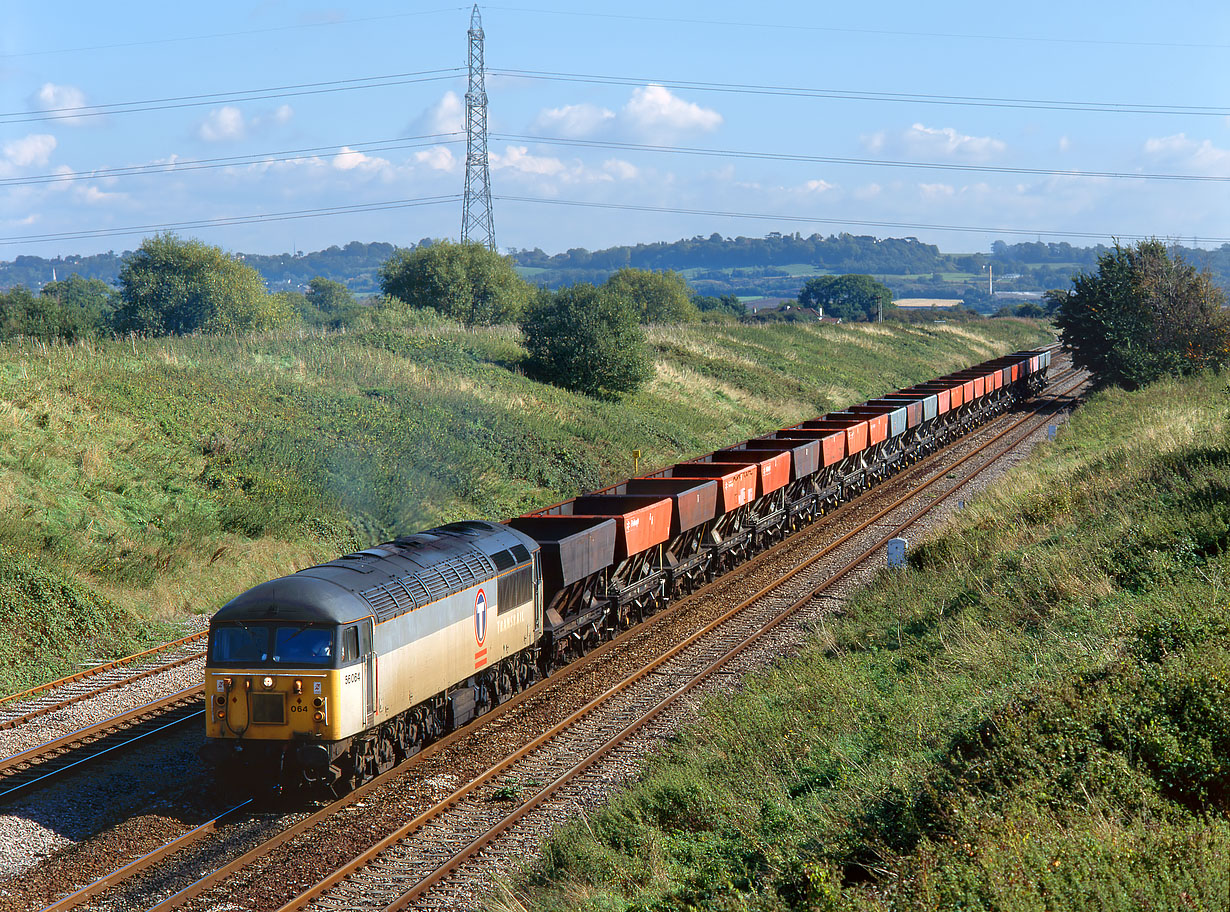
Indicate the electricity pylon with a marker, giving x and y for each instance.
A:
(476, 221)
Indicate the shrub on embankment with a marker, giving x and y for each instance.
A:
(166, 475)
(1035, 714)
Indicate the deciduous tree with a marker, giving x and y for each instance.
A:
(847, 297)
(328, 303)
(171, 285)
(586, 339)
(1142, 315)
(659, 297)
(466, 282)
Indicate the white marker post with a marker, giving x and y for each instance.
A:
(896, 551)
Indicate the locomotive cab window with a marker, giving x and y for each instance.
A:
(239, 643)
(515, 589)
(303, 646)
(266, 644)
(350, 644)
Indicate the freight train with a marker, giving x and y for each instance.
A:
(335, 673)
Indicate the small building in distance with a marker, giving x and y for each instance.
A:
(928, 302)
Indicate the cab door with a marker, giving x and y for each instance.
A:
(537, 597)
(370, 690)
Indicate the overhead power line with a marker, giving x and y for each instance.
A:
(257, 218)
(795, 26)
(236, 34)
(436, 75)
(175, 166)
(836, 160)
(741, 88)
(192, 101)
(863, 223)
(230, 161)
(229, 221)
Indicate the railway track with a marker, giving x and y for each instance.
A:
(39, 765)
(593, 730)
(20, 708)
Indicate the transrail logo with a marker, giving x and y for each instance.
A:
(480, 617)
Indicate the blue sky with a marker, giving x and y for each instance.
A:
(301, 107)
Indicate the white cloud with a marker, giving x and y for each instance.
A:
(445, 116)
(937, 191)
(350, 160)
(34, 149)
(620, 169)
(1064, 144)
(517, 158)
(93, 196)
(228, 122)
(52, 97)
(1201, 156)
(943, 143)
(874, 142)
(438, 158)
(574, 120)
(818, 186)
(222, 124)
(654, 110)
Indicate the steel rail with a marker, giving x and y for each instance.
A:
(17, 766)
(98, 669)
(203, 884)
(58, 770)
(114, 685)
(455, 797)
(210, 880)
(136, 866)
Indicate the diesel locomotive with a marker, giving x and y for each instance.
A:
(335, 673)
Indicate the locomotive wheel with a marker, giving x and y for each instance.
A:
(384, 754)
(361, 763)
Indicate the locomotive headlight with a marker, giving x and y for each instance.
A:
(319, 717)
(268, 682)
(318, 702)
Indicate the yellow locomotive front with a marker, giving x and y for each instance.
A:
(285, 680)
(280, 703)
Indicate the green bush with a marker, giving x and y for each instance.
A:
(586, 339)
(173, 286)
(465, 282)
(1142, 316)
(659, 297)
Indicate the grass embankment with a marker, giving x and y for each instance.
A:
(1034, 715)
(142, 480)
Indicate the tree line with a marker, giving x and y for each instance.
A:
(1144, 313)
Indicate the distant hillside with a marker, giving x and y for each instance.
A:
(356, 265)
(775, 265)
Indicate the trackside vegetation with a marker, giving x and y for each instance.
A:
(1034, 715)
(146, 479)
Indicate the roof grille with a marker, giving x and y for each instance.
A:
(429, 585)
